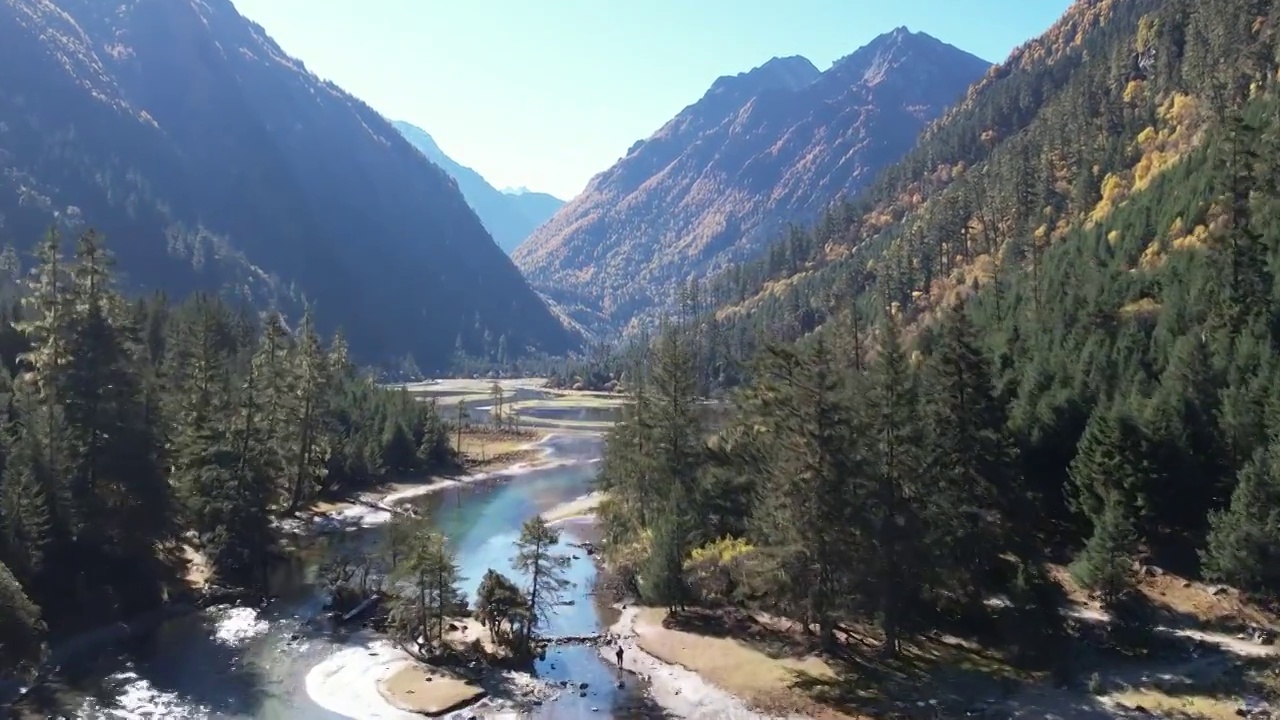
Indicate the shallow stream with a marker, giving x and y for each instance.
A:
(281, 663)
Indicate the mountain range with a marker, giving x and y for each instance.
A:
(212, 160)
(759, 151)
(510, 216)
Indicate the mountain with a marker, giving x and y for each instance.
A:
(758, 151)
(1098, 192)
(1048, 335)
(538, 207)
(212, 160)
(509, 217)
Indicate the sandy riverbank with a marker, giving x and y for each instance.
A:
(373, 507)
(579, 509)
(680, 691)
(690, 676)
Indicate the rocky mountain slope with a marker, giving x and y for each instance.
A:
(509, 217)
(761, 149)
(213, 160)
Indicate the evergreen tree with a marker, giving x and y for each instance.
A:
(311, 444)
(119, 493)
(978, 499)
(1111, 467)
(1105, 565)
(501, 607)
(430, 574)
(26, 527)
(1244, 538)
(663, 573)
(21, 629)
(537, 559)
(814, 482)
(899, 564)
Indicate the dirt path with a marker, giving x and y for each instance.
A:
(680, 692)
(1048, 703)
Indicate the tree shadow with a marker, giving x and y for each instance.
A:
(1100, 675)
(181, 661)
(743, 627)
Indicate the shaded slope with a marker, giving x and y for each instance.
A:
(213, 160)
(510, 218)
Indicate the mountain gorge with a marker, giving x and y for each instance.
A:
(758, 151)
(510, 217)
(214, 161)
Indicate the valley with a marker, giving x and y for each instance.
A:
(882, 380)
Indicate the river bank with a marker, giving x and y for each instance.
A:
(278, 661)
(688, 684)
(1215, 659)
(564, 679)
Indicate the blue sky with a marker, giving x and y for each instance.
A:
(547, 93)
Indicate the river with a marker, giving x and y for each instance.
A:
(282, 662)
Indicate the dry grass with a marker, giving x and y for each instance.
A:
(461, 633)
(198, 571)
(766, 661)
(482, 447)
(763, 681)
(1180, 706)
(1196, 601)
(583, 398)
(580, 507)
(571, 399)
(414, 688)
(772, 665)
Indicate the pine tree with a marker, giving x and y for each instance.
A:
(120, 495)
(26, 524)
(671, 437)
(977, 493)
(200, 410)
(1105, 565)
(21, 629)
(311, 446)
(1244, 539)
(277, 392)
(244, 512)
(815, 481)
(501, 607)
(537, 559)
(899, 566)
(1111, 464)
(45, 325)
(663, 581)
(430, 573)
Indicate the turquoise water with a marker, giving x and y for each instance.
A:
(185, 670)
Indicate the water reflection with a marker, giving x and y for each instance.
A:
(189, 667)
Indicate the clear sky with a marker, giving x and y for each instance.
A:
(547, 93)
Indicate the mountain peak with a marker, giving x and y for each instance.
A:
(903, 57)
(760, 150)
(789, 73)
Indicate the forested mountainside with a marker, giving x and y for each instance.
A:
(1114, 97)
(215, 161)
(760, 150)
(137, 432)
(1050, 333)
(509, 217)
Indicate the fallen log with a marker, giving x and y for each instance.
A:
(406, 511)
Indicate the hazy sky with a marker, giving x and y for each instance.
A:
(547, 93)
